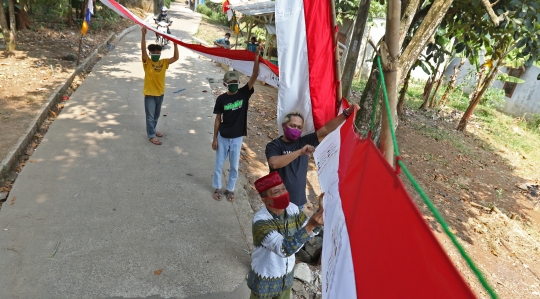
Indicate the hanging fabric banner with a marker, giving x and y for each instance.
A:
(240, 60)
(306, 63)
(376, 242)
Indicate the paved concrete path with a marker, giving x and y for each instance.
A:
(98, 208)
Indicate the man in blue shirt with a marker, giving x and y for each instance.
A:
(224, 41)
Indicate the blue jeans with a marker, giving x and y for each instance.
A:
(152, 109)
(227, 147)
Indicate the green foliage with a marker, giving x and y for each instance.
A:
(205, 10)
(259, 32)
(348, 9)
(213, 16)
(519, 32)
(493, 98)
(213, 6)
(358, 85)
(103, 16)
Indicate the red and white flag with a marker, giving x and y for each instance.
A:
(376, 242)
(306, 61)
(240, 60)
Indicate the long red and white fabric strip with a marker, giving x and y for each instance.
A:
(376, 241)
(240, 60)
(306, 61)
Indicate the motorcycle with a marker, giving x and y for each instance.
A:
(162, 28)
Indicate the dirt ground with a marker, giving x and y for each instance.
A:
(45, 58)
(472, 186)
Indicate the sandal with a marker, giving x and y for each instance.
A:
(230, 195)
(158, 134)
(217, 194)
(155, 141)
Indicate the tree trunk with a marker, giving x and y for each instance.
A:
(390, 69)
(427, 93)
(354, 47)
(367, 101)
(4, 24)
(158, 4)
(452, 83)
(70, 14)
(476, 96)
(402, 94)
(422, 36)
(407, 18)
(434, 96)
(12, 45)
(23, 21)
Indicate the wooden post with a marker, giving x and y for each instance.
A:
(250, 27)
(82, 35)
(337, 77)
(390, 59)
(266, 45)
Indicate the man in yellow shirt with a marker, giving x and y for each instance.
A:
(154, 85)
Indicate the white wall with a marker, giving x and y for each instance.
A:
(526, 97)
(376, 33)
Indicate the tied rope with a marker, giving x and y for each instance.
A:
(401, 166)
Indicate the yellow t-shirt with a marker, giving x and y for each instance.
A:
(154, 77)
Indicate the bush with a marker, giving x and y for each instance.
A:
(494, 98)
(214, 16)
(205, 10)
(213, 6)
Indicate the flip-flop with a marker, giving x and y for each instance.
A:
(229, 195)
(158, 134)
(217, 194)
(156, 141)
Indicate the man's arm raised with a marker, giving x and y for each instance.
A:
(255, 72)
(143, 45)
(176, 56)
(335, 122)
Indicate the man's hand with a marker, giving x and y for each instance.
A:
(214, 144)
(307, 150)
(143, 30)
(317, 219)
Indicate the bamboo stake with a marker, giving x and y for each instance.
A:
(337, 76)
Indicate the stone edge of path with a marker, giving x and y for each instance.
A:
(12, 158)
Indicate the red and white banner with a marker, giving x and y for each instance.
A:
(306, 61)
(240, 60)
(376, 242)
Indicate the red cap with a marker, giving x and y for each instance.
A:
(268, 181)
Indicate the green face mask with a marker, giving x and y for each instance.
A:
(232, 87)
(155, 57)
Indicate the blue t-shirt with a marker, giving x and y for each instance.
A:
(293, 175)
(223, 41)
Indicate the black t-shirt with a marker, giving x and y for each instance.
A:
(294, 174)
(234, 112)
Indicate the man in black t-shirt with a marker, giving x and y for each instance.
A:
(288, 154)
(230, 126)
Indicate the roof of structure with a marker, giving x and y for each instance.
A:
(264, 9)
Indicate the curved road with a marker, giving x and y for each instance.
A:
(99, 209)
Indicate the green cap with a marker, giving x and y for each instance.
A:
(231, 76)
